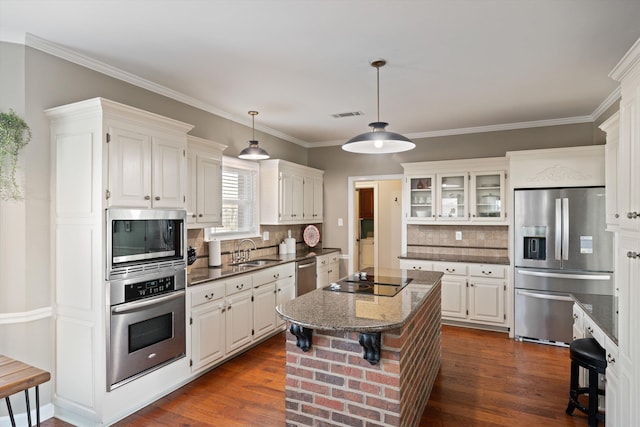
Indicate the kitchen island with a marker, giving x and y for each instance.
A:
(360, 358)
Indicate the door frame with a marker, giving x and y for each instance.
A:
(351, 190)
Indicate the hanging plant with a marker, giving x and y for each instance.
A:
(14, 135)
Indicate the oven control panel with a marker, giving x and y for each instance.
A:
(148, 288)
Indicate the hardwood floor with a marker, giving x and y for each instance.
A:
(485, 379)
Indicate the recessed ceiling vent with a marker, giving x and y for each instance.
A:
(350, 114)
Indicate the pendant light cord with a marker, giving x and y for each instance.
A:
(378, 86)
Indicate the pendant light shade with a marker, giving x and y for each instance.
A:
(378, 140)
(253, 151)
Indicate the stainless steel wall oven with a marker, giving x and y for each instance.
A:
(146, 324)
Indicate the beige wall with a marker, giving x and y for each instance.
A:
(340, 165)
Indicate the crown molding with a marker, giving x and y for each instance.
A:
(111, 71)
(627, 63)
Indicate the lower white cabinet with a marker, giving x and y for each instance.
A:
(228, 315)
(327, 269)
(471, 293)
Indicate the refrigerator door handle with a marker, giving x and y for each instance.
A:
(565, 276)
(544, 296)
(558, 236)
(565, 229)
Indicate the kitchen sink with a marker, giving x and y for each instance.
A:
(255, 263)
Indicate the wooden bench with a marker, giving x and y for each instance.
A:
(15, 377)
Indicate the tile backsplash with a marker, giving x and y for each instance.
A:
(277, 233)
(441, 239)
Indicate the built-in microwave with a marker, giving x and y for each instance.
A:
(140, 241)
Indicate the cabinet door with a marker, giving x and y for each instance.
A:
(486, 301)
(312, 199)
(628, 195)
(207, 335)
(365, 202)
(264, 313)
(322, 276)
(420, 198)
(286, 291)
(452, 199)
(239, 321)
(168, 185)
(487, 196)
(192, 194)
(611, 170)
(291, 197)
(454, 296)
(209, 193)
(333, 272)
(129, 168)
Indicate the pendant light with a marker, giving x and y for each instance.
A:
(253, 151)
(378, 140)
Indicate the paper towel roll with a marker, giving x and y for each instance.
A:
(291, 245)
(215, 257)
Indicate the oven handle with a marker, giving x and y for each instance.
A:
(137, 305)
(544, 296)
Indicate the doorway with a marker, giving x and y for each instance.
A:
(375, 222)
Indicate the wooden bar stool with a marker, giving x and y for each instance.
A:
(15, 377)
(588, 354)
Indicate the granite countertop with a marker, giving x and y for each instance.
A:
(341, 311)
(602, 309)
(207, 274)
(474, 259)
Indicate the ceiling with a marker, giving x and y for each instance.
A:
(452, 65)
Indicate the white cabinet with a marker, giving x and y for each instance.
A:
(207, 325)
(102, 154)
(327, 269)
(239, 320)
(612, 127)
(146, 169)
(204, 184)
(271, 286)
(367, 253)
(286, 291)
(455, 191)
(312, 189)
(628, 176)
(289, 193)
(471, 293)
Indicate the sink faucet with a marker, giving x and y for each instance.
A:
(241, 256)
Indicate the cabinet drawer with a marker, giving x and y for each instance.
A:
(412, 264)
(486, 270)
(239, 284)
(591, 329)
(206, 293)
(452, 268)
(272, 274)
(327, 259)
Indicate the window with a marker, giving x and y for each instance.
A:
(240, 199)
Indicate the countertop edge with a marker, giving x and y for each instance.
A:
(469, 259)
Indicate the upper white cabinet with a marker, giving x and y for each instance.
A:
(612, 128)
(204, 183)
(455, 191)
(146, 166)
(290, 193)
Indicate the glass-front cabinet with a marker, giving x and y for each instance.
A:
(421, 197)
(487, 196)
(452, 199)
(461, 191)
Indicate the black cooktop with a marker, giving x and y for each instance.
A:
(380, 285)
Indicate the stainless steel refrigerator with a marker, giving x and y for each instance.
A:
(561, 247)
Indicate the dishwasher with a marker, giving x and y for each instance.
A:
(305, 276)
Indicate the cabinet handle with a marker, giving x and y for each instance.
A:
(632, 255)
(240, 286)
(209, 296)
(590, 329)
(617, 216)
(471, 284)
(575, 316)
(417, 268)
(277, 275)
(193, 216)
(450, 270)
(486, 272)
(157, 197)
(632, 215)
(147, 198)
(200, 215)
(610, 359)
(474, 215)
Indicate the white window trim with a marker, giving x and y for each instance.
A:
(234, 162)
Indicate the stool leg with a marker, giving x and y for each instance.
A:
(26, 397)
(37, 406)
(593, 398)
(13, 421)
(573, 388)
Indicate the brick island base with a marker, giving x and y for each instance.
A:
(332, 384)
